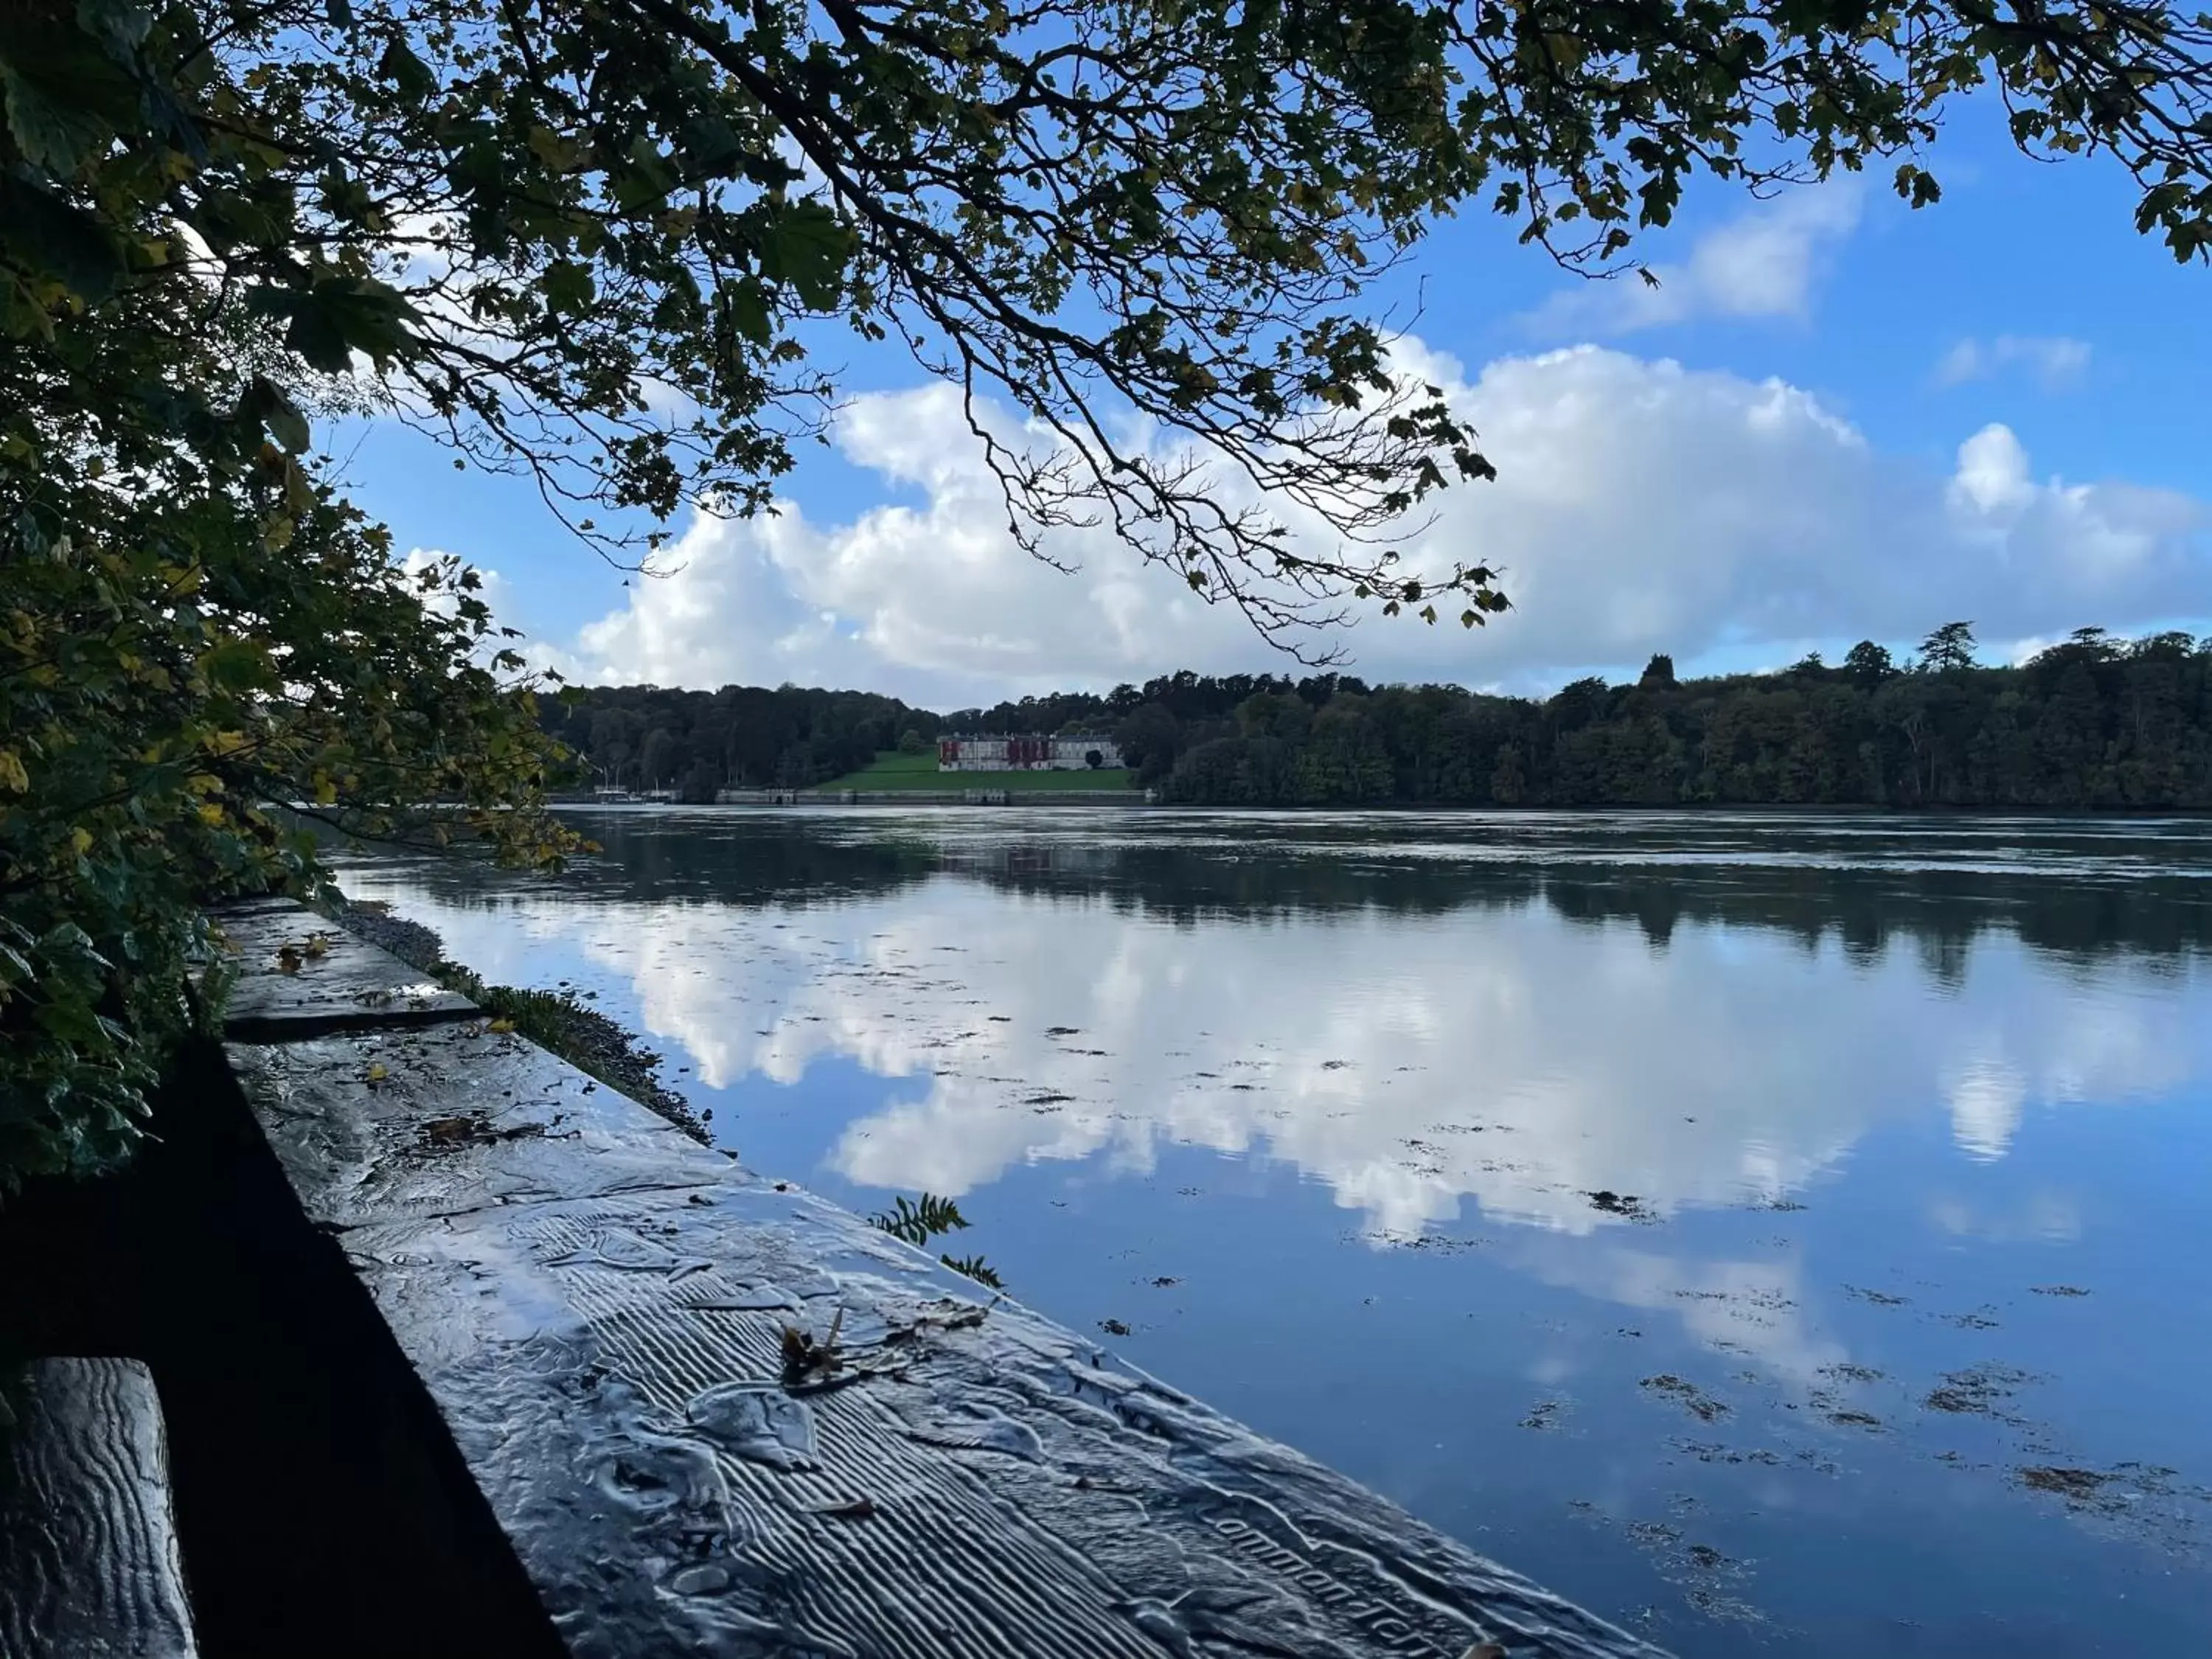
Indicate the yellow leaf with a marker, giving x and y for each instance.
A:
(376, 1072)
(210, 811)
(500, 1025)
(12, 777)
(81, 840)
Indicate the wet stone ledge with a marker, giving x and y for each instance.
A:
(715, 1414)
(302, 975)
(89, 1567)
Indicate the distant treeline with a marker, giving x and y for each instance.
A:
(2095, 722)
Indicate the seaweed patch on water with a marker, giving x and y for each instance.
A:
(1627, 1206)
(1846, 1372)
(1879, 1299)
(1687, 1395)
(1978, 1320)
(1432, 1243)
(1703, 1574)
(1978, 1390)
(2144, 1500)
(1849, 1417)
(1544, 1415)
(2075, 1486)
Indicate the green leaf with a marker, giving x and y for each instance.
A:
(63, 241)
(337, 317)
(745, 306)
(51, 134)
(268, 401)
(808, 246)
(409, 73)
(235, 665)
(569, 287)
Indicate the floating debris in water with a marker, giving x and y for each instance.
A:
(1688, 1395)
(1626, 1205)
(1880, 1298)
(1977, 1390)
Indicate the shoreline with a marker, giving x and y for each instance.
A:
(557, 1021)
(1471, 809)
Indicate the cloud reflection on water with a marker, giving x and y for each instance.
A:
(1407, 1061)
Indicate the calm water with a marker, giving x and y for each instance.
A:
(1784, 1234)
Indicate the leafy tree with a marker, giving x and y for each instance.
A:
(1949, 647)
(1660, 671)
(1869, 664)
(911, 741)
(596, 243)
(2094, 722)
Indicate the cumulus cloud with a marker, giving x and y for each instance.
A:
(1766, 262)
(1641, 507)
(2053, 361)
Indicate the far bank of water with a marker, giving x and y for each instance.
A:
(1781, 1234)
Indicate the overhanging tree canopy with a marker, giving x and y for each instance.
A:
(606, 241)
(551, 225)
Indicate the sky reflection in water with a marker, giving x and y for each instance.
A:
(1784, 1234)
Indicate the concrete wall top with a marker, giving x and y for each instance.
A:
(716, 1414)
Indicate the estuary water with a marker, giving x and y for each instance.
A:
(1782, 1234)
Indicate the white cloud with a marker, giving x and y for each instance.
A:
(1641, 507)
(1762, 264)
(494, 589)
(2053, 361)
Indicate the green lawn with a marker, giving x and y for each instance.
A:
(892, 770)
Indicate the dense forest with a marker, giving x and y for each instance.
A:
(2094, 722)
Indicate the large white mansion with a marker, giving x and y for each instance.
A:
(1027, 753)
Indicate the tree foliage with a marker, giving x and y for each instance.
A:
(2094, 723)
(645, 736)
(196, 633)
(586, 238)
(603, 242)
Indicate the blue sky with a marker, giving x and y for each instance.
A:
(1835, 417)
